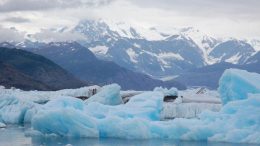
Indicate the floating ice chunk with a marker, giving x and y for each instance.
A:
(187, 110)
(236, 84)
(83, 91)
(64, 102)
(147, 105)
(109, 95)
(118, 127)
(13, 110)
(171, 92)
(2, 125)
(239, 121)
(44, 96)
(65, 122)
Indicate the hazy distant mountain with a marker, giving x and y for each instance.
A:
(209, 76)
(30, 71)
(83, 64)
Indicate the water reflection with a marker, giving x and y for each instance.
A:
(14, 136)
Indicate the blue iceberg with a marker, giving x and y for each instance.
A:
(65, 122)
(236, 84)
(237, 121)
(109, 95)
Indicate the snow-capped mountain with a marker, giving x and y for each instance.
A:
(158, 52)
(232, 51)
(83, 64)
(255, 43)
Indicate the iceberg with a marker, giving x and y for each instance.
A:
(13, 110)
(70, 119)
(65, 122)
(109, 95)
(2, 125)
(167, 92)
(44, 96)
(140, 118)
(147, 105)
(235, 84)
(64, 102)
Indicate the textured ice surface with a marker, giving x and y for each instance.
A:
(43, 96)
(237, 121)
(167, 92)
(109, 95)
(236, 84)
(147, 105)
(65, 122)
(13, 110)
(187, 110)
(2, 125)
(190, 105)
(70, 119)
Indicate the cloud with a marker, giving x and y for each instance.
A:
(220, 18)
(35, 5)
(17, 20)
(208, 8)
(11, 34)
(48, 35)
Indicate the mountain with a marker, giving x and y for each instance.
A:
(232, 51)
(82, 63)
(31, 71)
(11, 77)
(153, 57)
(209, 75)
(254, 59)
(160, 53)
(157, 52)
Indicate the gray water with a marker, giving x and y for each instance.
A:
(15, 136)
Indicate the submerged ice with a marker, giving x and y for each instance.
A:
(237, 121)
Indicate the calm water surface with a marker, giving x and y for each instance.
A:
(15, 136)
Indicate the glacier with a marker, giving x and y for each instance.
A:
(237, 121)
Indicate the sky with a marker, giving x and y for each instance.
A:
(219, 18)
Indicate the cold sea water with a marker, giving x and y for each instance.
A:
(16, 136)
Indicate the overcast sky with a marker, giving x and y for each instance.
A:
(228, 18)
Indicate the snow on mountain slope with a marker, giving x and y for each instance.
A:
(205, 42)
(232, 51)
(159, 51)
(255, 43)
(99, 50)
(156, 51)
(148, 50)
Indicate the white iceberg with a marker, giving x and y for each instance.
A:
(167, 92)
